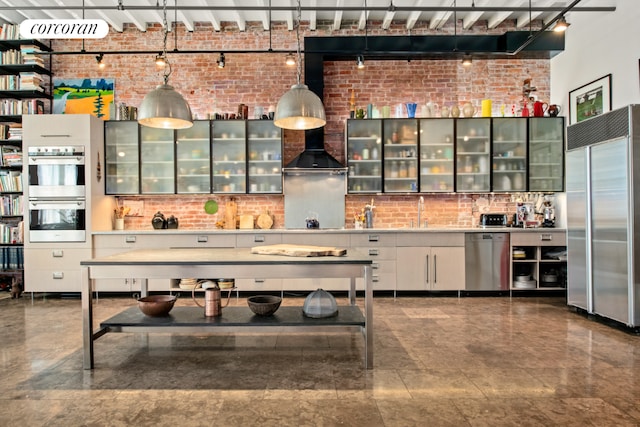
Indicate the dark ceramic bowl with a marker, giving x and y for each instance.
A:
(156, 305)
(264, 305)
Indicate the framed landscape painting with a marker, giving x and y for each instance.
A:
(590, 100)
(83, 96)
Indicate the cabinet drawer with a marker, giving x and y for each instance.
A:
(373, 239)
(129, 285)
(311, 285)
(539, 238)
(423, 239)
(257, 239)
(380, 281)
(383, 267)
(52, 280)
(316, 238)
(202, 241)
(379, 253)
(53, 258)
(258, 285)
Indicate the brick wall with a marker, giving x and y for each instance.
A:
(260, 80)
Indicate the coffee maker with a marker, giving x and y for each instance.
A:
(549, 214)
(524, 212)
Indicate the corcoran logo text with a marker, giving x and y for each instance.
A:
(64, 29)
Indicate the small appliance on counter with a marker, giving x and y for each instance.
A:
(549, 214)
(493, 220)
(525, 215)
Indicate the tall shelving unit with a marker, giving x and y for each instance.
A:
(22, 91)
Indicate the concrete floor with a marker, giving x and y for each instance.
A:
(438, 362)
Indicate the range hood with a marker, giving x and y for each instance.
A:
(314, 158)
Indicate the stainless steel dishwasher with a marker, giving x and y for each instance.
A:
(486, 261)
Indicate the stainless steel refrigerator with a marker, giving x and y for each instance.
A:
(603, 211)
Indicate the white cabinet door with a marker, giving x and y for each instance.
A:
(430, 268)
(412, 269)
(447, 268)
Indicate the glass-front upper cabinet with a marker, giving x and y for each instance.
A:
(364, 156)
(265, 157)
(121, 157)
(436, 155)
(157, 161)
(228, 148)
(400, 155)
(509, 165)
(546, 154)
(193, 158)
(472, 155)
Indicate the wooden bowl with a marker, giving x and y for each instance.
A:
(264, 305)
(156, 305)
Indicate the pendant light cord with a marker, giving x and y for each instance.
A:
(165, 26)
(299, 62)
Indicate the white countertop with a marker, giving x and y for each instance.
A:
(332, 230)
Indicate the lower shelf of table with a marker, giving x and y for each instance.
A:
(182, 319)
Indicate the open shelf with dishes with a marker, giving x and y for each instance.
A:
(538, 260)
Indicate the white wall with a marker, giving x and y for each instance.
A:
(597, 44)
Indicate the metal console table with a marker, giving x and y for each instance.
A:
(215, 262)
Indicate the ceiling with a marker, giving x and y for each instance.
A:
(332, 14)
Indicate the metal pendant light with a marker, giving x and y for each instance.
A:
(163, 107)
(299, 108)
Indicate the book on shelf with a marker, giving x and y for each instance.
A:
(11, 181)
(10, 32)
(11, 155)
(15, 132)
(16, 107)
(31, 81)
(11, 57)
(12, 257)
(11, 205)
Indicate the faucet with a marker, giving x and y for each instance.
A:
(420, 207)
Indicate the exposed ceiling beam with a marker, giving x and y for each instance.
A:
(209, 15)
(117, 25)
(337, 17)
(313, 16)
(440, 18)
(414, 16)
(525, 18)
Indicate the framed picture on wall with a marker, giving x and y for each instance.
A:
(590, 100)
(83, 96)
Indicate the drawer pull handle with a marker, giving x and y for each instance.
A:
(375, 266)
(259, 280)
(375, 278)
(546, 237)
(58, 275)
(130, 239)
(203, 239)
(373, 252)
(258, 239)
(57, 253)
(373, 237)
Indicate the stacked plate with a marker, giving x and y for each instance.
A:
(188, 283)
(519, 254)
(524, 281)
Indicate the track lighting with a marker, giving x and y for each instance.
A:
(291, 59)
(161, 60)
(360, 62)
(99, 59)
(467, 60)
(220, 61)
(561, 25)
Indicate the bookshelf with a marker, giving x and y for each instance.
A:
(25, 86)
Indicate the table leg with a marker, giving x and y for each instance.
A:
(144, 287)
(352, 291)
(87, 319)
(368, 310)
